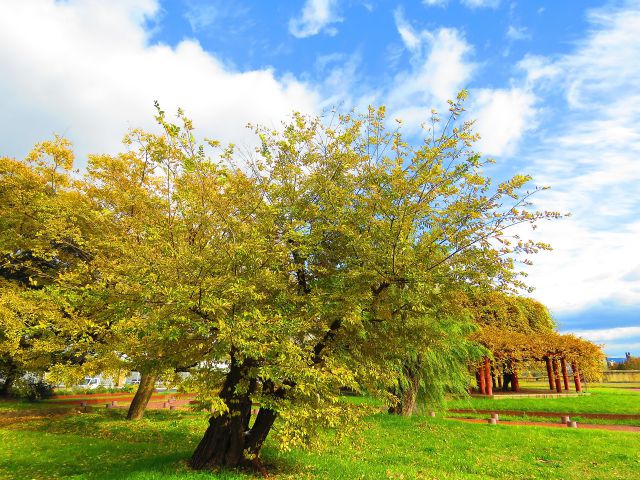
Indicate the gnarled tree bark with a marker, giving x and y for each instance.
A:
(225, 440)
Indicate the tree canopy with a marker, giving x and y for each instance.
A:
(517, 329)
(337, 254)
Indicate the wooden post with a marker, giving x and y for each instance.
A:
(556, 374)
(516, 380)
(565, 375)
(487, 373)
(482, 386)
(552, 385)
(576, 377)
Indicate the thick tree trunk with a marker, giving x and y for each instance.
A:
(408, 401)
(482, 386)
(142, 396)
(222, 444)
(407, 391)
(261, 428)
(228, 441)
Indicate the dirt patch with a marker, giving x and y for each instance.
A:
(121, 399)
(23, 416)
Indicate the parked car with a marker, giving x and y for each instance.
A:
(95, 382)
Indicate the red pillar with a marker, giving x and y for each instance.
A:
(487, 374)
(556, 374)
(565, 375)
(576, 377)
(483, 390)
(552, 385)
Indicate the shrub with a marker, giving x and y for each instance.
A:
(32, 390)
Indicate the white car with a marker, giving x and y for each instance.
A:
(90, 383)
(95, 382)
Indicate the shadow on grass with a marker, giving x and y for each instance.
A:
(73, 456)
(159, 428)
(102, 444)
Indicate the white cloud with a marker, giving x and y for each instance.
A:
(340, 81)
(440, 68)
(468, 3)
(589, 154)
(503, 116)
(517, 33)
(87, 69)
(481, 3)
(316, 16)
(587, 266)
(411, 39)
(201, 15)
(608, 334)
(538, 68)
(435, 3)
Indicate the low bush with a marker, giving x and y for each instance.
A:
(32, 390)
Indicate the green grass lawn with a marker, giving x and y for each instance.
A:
(102, 445)
(600, 400)
(549, 419)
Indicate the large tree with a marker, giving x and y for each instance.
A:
(366, 231)
(330, 257)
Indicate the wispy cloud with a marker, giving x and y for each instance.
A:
(469, 3)
(440, 67)
(589, 155)
(608, 334)
(481, 3)
(204, 15)
(435, 3)
(201, 15)
(316, 16)
(517, 33)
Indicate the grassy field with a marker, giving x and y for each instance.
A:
(601, 399)
(102, 445)
(549, 419)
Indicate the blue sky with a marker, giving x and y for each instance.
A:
(555, 89)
